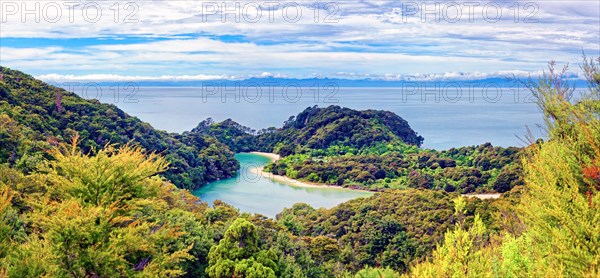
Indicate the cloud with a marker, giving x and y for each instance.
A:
(182, 38)
(447, 76)
(16, 54)
(53, 77)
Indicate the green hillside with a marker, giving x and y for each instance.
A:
(35, 116)
(322, 128)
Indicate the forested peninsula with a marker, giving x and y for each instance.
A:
(370, 150)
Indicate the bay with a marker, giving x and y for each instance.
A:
(254, 193)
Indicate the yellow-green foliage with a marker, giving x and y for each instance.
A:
(371, 272)
(109, 178)
(5, 228)
(459, 254)
(105, 215)
(559, 207)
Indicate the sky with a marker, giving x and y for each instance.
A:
(176, 40)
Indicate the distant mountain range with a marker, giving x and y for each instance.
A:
(328, 82)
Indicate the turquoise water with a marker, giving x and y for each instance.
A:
(256, 194)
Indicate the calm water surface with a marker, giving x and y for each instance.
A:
(445, 118)
(256, 194)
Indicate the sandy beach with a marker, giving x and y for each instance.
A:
(484, 196)
(272, 156)
(290, 181)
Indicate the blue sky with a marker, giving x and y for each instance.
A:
(387, 40)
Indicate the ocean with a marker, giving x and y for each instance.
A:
(445, 116)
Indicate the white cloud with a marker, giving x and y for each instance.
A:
(370, 37)
(447, 76)
(53, 77)
(15, 54)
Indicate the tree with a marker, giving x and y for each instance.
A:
(323, 248)
(5, 227)
(110, 178)
(239, 254)
(560, 207)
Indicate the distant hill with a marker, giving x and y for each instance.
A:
(316, 128)
(35, 115)
(237, 137)
(321, 128)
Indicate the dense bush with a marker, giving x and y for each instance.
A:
(236, 136)
(389, 229)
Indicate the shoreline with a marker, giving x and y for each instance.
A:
(484, 196)
(273, 156)
(293, 182)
